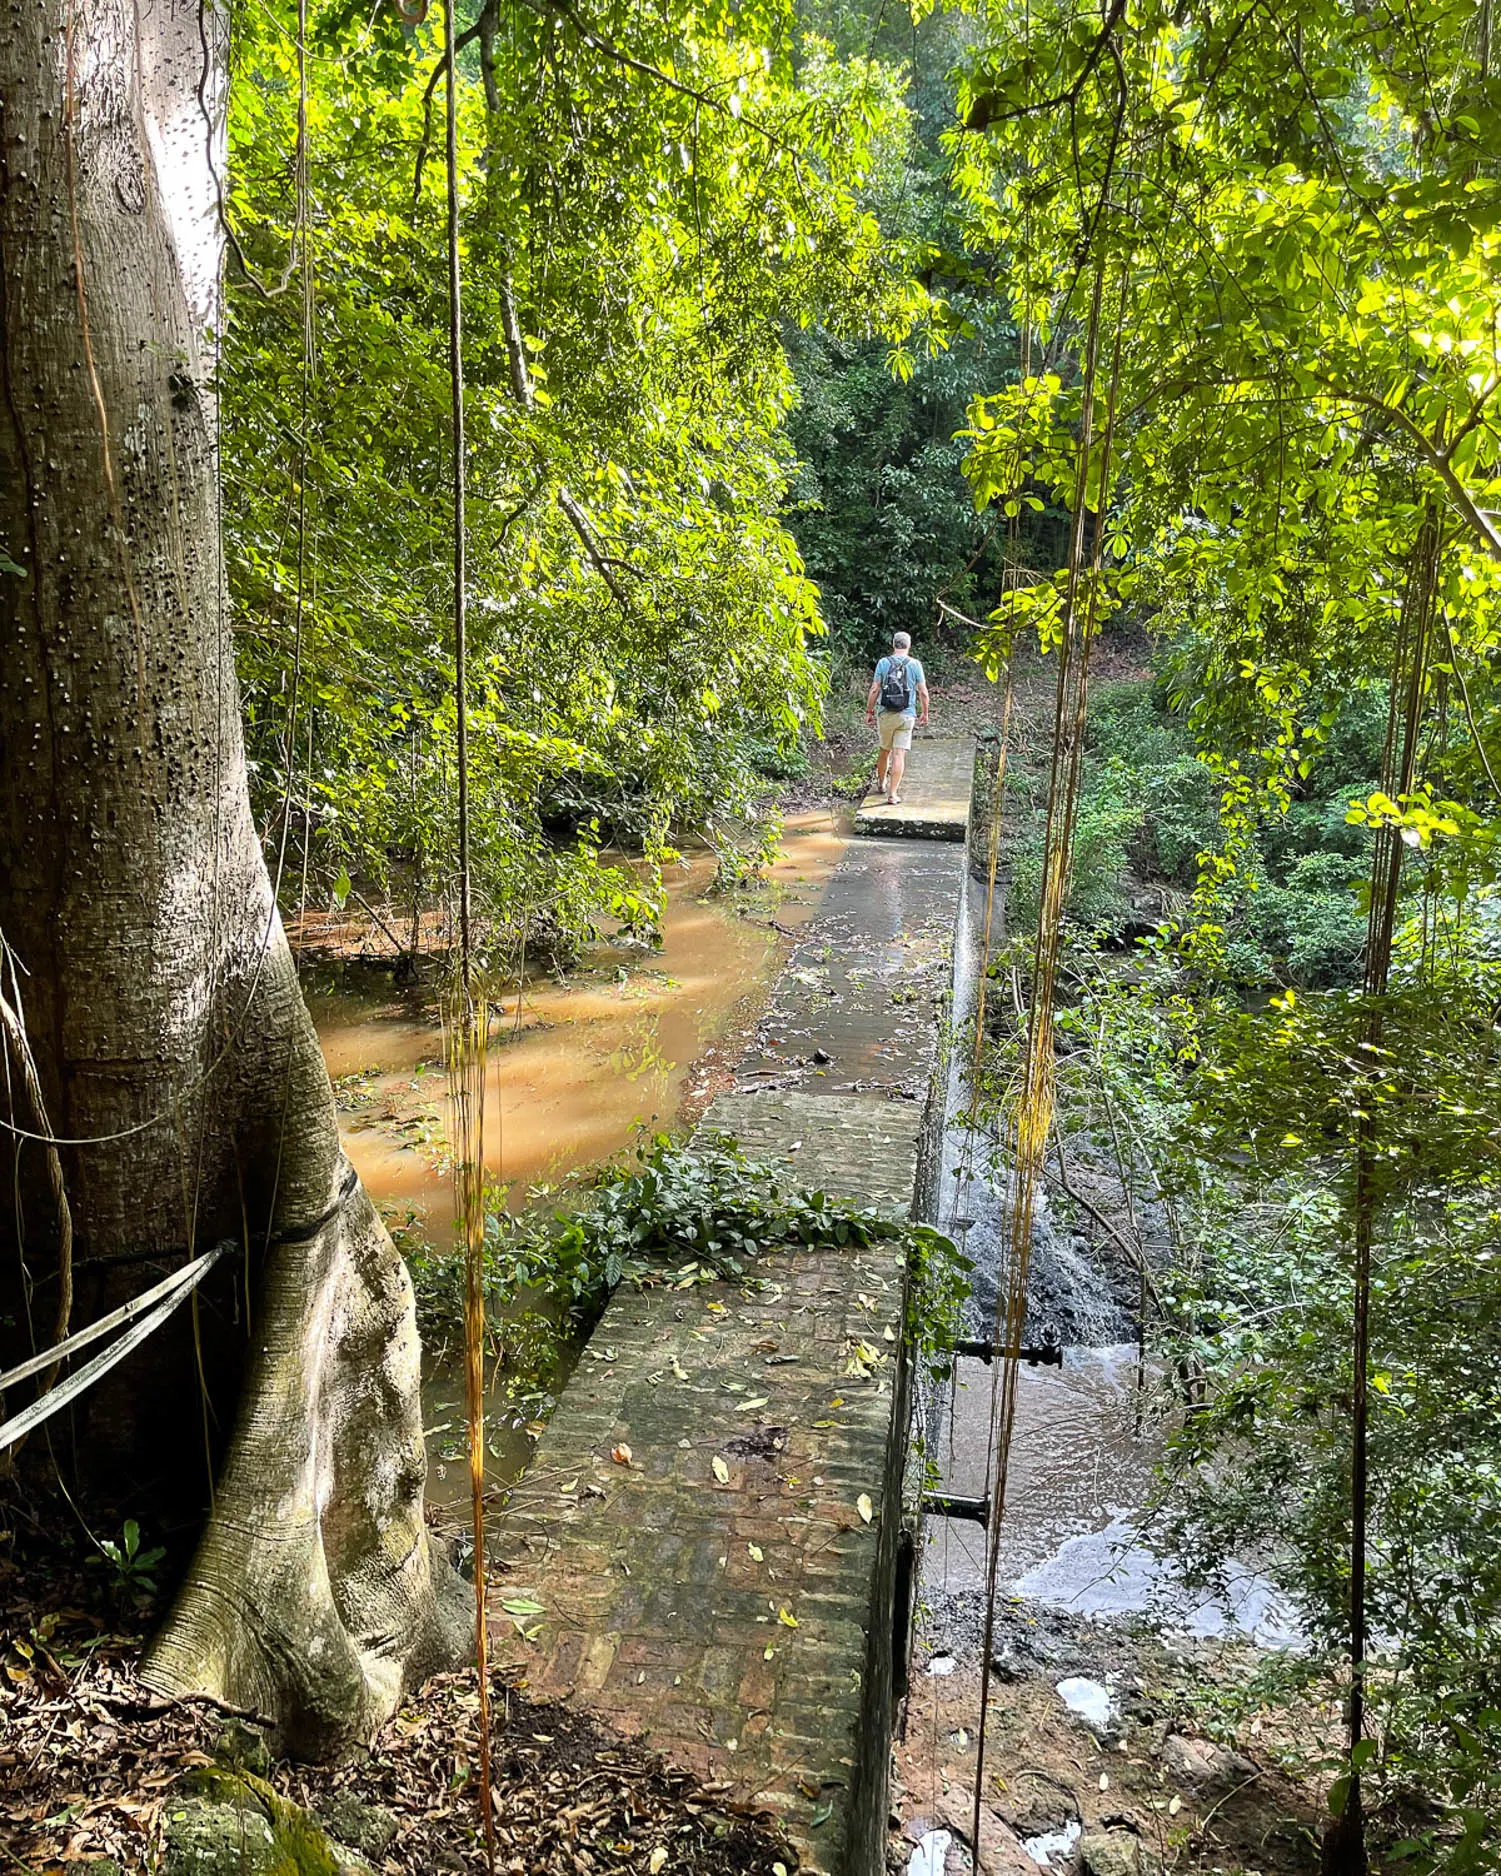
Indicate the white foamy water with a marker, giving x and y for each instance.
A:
(1089, 1700)
(930, 1856)
(1054, 1844)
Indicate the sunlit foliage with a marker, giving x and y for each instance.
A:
(646, 198)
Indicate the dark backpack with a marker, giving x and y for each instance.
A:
(896, 686)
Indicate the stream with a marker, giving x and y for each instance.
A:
(639, 1039)
(1087, 1436)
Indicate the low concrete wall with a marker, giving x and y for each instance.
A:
(982, 804)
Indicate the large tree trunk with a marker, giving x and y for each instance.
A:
(161, 1000)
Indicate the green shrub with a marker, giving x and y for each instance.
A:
(1144, 755)
(669, 1214)
(1311, 929)
(1108, 821)
(1180, 820)
(778, 762)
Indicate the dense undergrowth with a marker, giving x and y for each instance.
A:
(670, 1214)
(1226, 1092)
(1149, 810)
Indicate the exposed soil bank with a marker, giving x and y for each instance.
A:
(1173, 1775)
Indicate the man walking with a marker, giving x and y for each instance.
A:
(899, 687)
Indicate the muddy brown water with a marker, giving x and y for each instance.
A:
(627, 1042)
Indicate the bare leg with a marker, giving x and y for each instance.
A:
(894, 770)
(881, 771)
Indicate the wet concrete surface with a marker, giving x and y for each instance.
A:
(863, 1002)
(1076, 1296)
(935, 789)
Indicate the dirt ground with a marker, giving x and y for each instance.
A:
(1185, 1775)
(92, 1765)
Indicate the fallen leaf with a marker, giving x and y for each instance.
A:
(721, 1470)
(1104, 1781)
(621, 1454)
(757, 1554)
(865, 1508)
(658, 1860)
(1174, 1806)
(786, 1617)
(749, 1406)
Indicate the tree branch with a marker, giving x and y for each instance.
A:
(467, 37)
(521, 377)
(1470, 512)
(981, 117)
(597, 560)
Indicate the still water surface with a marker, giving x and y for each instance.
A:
(586, 1060)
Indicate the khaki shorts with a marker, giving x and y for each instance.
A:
(894, 727)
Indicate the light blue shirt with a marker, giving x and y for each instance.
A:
(917, 680)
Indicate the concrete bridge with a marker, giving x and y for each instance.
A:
(738, 1593)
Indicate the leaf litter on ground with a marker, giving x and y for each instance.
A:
(90, 1758)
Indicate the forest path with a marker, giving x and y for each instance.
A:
(705, 1549)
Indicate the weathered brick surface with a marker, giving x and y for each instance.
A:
(657, 1610)
(662, 1585)
(859, 1146)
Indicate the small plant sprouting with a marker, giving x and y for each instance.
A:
(132, 1566)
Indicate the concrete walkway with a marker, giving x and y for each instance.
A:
(704, 1551)
(935, 793)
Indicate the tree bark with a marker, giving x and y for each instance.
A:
(174, 1052)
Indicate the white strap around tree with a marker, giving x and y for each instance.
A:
(168, 1295)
